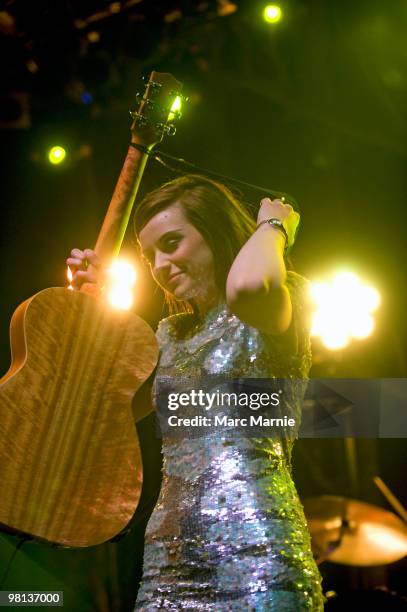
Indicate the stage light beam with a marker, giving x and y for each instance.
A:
(121, 279)
(343, 310)
(56, 155)
(272, 13)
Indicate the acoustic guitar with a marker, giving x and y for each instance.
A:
(70, 462)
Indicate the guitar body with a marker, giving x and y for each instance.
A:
(71, 471)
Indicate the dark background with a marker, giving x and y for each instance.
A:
(314, 106)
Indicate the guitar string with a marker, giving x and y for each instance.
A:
(160, 156)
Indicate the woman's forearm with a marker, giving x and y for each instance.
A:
(259, 266)
(255, 287)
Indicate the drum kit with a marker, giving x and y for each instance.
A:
(354, 533)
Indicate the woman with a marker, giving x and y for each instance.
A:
(228, 531)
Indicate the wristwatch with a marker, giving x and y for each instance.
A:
(278, 225)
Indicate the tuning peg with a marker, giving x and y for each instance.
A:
(155, 86)
(151, 103)
(177, 94)
(171, 129)
(168, 129)
(139, 120)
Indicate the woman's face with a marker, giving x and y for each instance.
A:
(181, 261)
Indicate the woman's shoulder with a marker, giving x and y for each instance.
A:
(300, 293)
(173, 326)
(296, 341)
(297, 281)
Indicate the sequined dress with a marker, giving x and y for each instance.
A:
(228, 531)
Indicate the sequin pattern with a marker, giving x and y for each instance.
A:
(228, 531)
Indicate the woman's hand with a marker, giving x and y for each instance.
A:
(84, 266)
(276, 209)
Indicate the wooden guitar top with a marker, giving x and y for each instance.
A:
(81, 467)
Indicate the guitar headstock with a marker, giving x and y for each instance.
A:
(158, 109)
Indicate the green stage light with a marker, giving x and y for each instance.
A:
(175, 109)
(272, 13)
(56, 155)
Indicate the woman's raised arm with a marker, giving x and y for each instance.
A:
(255, 289)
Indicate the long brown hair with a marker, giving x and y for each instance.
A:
(222, 220)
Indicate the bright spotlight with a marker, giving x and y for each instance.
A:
(272, 13)
(344, 308)
(122, 277)
(121, 298)
(175, 109)
(56, 155)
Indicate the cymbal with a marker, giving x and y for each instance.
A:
(352, 532)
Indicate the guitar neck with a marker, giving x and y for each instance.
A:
(118, 214)
(152, 120)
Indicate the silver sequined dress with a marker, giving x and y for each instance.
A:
(228, 531)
